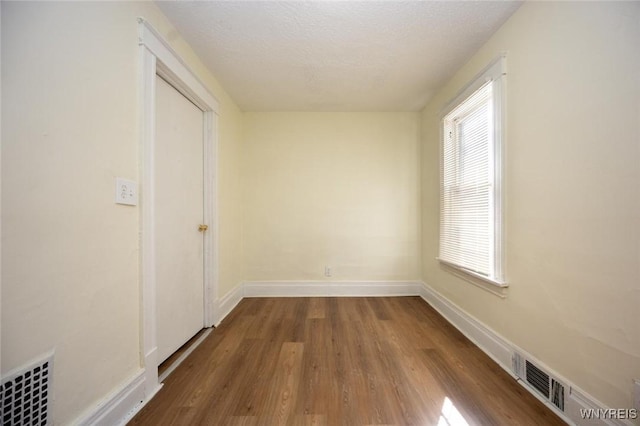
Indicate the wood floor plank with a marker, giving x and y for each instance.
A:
(315, 381)
(241, 421)
(379, 307)
(263, 314)
(410, 407)
(211, 395)
(250, 399)
(283, 391)
(457, 388)
(371, 375)
(300, 316)
(428, 392)
(317, 307)
(311, 420)
(339, 361)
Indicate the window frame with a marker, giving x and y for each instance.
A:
(495, 72)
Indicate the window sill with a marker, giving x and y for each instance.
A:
(499, 288)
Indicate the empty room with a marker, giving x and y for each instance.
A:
(320, 213)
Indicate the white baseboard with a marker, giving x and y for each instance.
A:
(227, 303)
(119, 406)
(330, 288)
(501, 350)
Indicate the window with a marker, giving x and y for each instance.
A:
(471, 178)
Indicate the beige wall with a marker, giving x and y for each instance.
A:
(230, 270)
(573, 192)
(70, 256)
(335, 189)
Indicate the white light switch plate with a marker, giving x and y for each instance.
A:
(126, 192)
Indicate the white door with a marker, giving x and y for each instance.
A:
(179, 212)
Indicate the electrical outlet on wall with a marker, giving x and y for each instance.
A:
(126, 192)
(327, 271)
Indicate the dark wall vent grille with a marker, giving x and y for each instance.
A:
(557, 394)
(25, 395)
(538, 379)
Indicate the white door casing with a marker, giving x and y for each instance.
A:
(158, 58)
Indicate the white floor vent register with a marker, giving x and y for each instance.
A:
(25, 395)
(546, 386)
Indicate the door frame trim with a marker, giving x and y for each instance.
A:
(158, 58)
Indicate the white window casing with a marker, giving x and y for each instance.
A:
(471, 179)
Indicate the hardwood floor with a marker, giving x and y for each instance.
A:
(168, 363)
(340, 361)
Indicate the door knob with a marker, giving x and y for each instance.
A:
(202, 228)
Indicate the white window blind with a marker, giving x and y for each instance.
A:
(470, 231)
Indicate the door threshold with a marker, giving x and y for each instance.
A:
(170, 364)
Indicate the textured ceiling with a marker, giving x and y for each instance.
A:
(335, 56)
